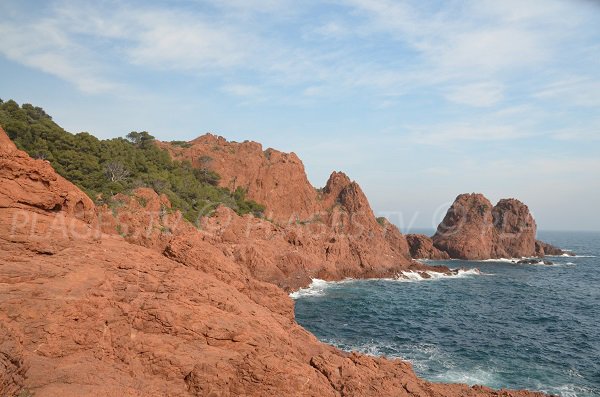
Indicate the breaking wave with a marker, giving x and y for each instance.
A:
(431, 275)
(319, 287)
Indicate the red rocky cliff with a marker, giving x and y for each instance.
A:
(329, 234)
(270, 177)
(88, 313)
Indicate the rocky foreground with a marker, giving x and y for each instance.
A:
(133, 301)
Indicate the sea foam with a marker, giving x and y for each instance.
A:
(416, 276)
(318, 287)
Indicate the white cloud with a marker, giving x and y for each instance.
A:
(466, 51)
(43, 45)
(484, 94)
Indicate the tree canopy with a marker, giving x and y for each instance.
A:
(102, 168)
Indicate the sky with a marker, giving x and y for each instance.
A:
(418, 100)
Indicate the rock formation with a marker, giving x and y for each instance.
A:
(421, 247)
(328, 234)
(270, 177)
(84, 312)
(514, 230)
(33, 184)
(346, 242)
(543, 249)
(474, 229)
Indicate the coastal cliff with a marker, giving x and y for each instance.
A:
(88, 310)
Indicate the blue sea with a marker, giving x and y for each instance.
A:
(533, 327)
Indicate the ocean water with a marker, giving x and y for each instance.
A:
(531, 327)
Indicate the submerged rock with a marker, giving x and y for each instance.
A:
(534, 261)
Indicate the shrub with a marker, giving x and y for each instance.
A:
(103, 168)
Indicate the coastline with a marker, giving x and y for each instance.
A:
(157, 306)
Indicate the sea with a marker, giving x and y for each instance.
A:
(496, 323)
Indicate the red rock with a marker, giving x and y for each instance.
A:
(542, 249)
(514, 230)
(33, 184)
(473, 229)
(467, 231)
(88, 313)
(421, 247)
(270, 177)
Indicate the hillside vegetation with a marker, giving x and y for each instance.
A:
(102, 168)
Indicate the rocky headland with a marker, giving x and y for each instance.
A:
(132, 300)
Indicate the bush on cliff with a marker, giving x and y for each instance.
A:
(103, 168)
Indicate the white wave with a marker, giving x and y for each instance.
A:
(408, 276)
(503, 260)
(316, 288)
(571, 256)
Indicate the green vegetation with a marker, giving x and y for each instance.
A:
(182, 144)
(381, 220)
(103, 168)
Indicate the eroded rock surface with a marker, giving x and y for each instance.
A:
(33, 184)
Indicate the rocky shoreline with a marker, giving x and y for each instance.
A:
(131, 300)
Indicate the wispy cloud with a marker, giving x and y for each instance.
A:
(445, 134)
(483, 94)
(44, 45)
(243, 90)
(573, 91)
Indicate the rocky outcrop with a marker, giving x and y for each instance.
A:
(330, 233)
(12, 361)
(269, 177)
(421, 247)
(33, 184)
(467, 231)
(474, 229)
(542, 249)
(514, 230)
(88, 313)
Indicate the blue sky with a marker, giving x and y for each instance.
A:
(416, 100)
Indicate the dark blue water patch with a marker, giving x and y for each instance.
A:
(517, 326)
